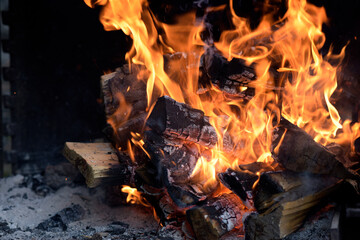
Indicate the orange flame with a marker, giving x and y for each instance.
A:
(301, 90)
(134, 197)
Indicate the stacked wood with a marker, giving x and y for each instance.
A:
(216, 217)
(179, 121)
(283, 200)
(295, 150)
(99, 163)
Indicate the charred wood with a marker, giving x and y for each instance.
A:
(172, 165)
(122, 134)
(357, 145)
(99, 163)
(179, 121)
(242, 180)
(283, 200)
(240, 183)
(296, 150)
(177, 158)
(123, 86)
(228, 76)
(216, 217)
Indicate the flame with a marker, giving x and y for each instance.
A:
(293, 79)
(134, 196)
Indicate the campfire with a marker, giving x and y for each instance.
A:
(221, 124)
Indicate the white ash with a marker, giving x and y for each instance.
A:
(22, 210)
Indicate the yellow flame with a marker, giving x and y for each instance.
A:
(134, 196)
(293, 79)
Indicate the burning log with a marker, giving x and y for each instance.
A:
(241, 181)
(295, 150)
(123, 86)
(283, 200)
(179, 121)
(173, 163)
(99, 163)
(357, 145)
(229, 76)
(216, 217)
(176, 158)
(124, 103)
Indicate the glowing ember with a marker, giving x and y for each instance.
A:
(299, 89)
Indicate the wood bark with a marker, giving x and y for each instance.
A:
(283, 200)
(125, 105)
(124, 87)
(298, 152)
(179, 121)
(242, 180)
(216, 217)
(173, 163)
(99, 163)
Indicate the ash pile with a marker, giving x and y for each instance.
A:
(57, 205)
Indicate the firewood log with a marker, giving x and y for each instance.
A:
(216, 217)
(228, 76)
(242, 180)
(300, 153)
(123, 86)
(176, 157)
(173, 163)
(125, 105)
(283, 200)
(99, 163)
(179, 121)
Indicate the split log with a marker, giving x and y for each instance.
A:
(283, 200)
(122, 134)
(241, 181)
(177, 158)
(173, 163)
(228, 76)
(125, 105)
(298, 152)
(123, 87)
(179, 121)
(99, 163)
(235, 78)
(216, 217)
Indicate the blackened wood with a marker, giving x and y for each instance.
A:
(229, 76)
(123, 87)
(284, 200)
(166, 210)
(178, 158)
(242, 180)
(240, 183)
(216, 217)
(123, 133)
(99, 163)
(357, 145)
(300, 153)
(179, 121)
(172, 164)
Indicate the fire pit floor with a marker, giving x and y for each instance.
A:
(31, 209)
(43, 207)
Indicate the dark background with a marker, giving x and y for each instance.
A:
(59, 50)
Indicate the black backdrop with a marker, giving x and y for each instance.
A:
(59, 50)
